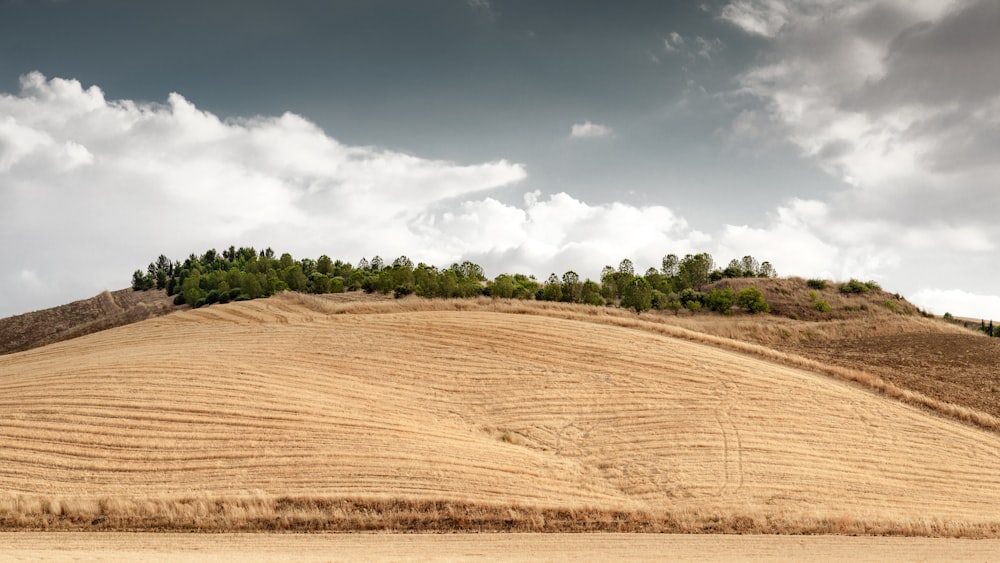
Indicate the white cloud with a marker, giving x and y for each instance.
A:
(92, 189)
(705, 48)
(759, 17)
(803, 239)
(959, 303)
(695, 48)
(560, 232)
(900, 101)
(588, 130)
(674, 42)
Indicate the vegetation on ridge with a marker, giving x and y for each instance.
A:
(242, 274)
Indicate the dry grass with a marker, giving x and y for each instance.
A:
(106, 310)
(302, 413)
(336, 514)
(756, 335)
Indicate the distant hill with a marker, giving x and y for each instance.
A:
(300, 412)
(106, 310)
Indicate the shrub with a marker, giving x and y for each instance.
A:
(402, 290)
(752, 299)
(720, 300)
(816, 284)
(660, 299)
(690, 295)
(873, 285)
(854, 286)
(891, 305)
(693, 306)
(817, 303)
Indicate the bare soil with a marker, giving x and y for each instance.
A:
(957, 368)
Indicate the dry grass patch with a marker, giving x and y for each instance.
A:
(300, 412)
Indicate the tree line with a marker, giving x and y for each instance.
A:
(238, 274)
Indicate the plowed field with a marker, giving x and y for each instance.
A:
(221, 418)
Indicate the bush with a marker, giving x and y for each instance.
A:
(403, 290)
(693, 306)
(689, 295)
(816, 284)
(660, 300)
(720, 300)
(854, 286)
(752, 299)
(817, 303)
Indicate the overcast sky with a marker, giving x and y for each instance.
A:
(833, 139)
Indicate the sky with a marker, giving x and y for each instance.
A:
(833, 139)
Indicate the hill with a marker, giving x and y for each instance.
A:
(875, 332)
(298, 412)
(103, 311)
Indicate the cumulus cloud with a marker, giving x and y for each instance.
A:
(803, 239)
(901, 101)
(92, 188)
(588, 130)
(560, 232)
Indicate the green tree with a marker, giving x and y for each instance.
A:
(591, 293)
(733, 270)
(140, 281)
(572, 289)
(638, 295)
(751, 268)
(552, 290)
(609, 283)
(324, 265)
(503, 286)
(670, 265)
(694, 271)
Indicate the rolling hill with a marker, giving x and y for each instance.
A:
(298, 412)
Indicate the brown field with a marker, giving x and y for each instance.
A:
(947, 363)
(301, 413)
(138, 547)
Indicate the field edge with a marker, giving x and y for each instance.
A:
(257, 513)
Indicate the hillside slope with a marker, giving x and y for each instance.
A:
(875, 332)
(252, 407)
(87, 316)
